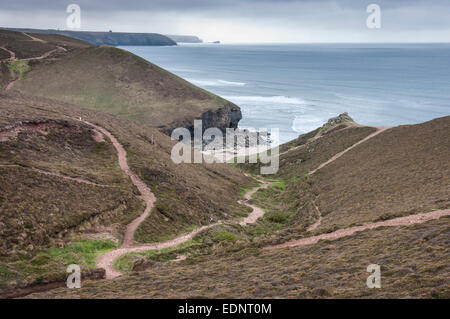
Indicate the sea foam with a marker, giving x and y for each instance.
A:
(279, 99)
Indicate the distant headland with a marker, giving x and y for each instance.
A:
(185, 38)
(108, 38)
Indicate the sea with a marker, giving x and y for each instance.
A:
(298, 87)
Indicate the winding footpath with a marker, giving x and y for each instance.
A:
(106, 261)
(11, 53)
(44, 56)
(335, 157)
(40, 171)
(401, 221)
(256, 211)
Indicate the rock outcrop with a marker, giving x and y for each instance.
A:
(222, 118)
(341, 118)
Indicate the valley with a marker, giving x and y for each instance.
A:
(87, 178)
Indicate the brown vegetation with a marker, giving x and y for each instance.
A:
(402, 171)
(118, 82)
(413, 264)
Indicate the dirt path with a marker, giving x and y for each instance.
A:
(74, 179)
(45, 55)
(10, 84)
(401, 221)
(146, 193)
(107, 260)
(257, 212)
(321, 134)
(318, 222)
(34, 38)
(335, 157)
(12, 54)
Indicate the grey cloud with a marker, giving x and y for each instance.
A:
(285, 16)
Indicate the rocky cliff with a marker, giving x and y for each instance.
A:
(185, 38)
(224, 117)
(109, 38)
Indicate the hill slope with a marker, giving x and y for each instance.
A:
(66, 197)
(62, 193)
(118, 82)
(107, 38)
(45, 152)
(229, 262)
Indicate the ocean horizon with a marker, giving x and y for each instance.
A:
(298, 87)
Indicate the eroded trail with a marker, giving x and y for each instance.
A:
(401, 221)
(33, 38)
(11, 53)
(44, 56)
(257, 212)
(107, 260)
(74, 179)
(335, 157)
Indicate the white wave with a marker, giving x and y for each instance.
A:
(264, 99)
(232, 83)
(215, 82)
(306, 123)
(181, 70)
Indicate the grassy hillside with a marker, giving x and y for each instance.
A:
(22, 45)
(118, 82)
(21, 51)
(227, 261)
(107, 38)
(39, 211)
(413, 264)
(402, 171)
(64, 199)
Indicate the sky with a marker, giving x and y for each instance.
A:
(245, 21)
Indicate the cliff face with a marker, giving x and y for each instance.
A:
(222, 118)
(185, 38)
(118, 82)
(109, 38)
(341, 118)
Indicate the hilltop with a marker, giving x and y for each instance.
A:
(61, 186)
(107, 38)
(118, 82)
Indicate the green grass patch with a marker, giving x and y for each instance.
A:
(82, 252)
(52, 263)
(223, 235)
(19, 67)
(280, 185)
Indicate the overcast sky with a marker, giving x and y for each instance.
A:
(245, 20)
